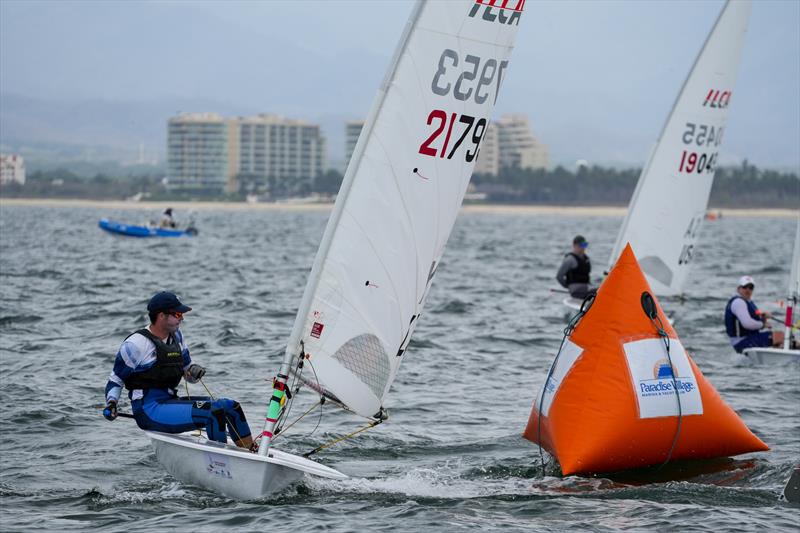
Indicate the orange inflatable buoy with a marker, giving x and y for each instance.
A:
(610, 400)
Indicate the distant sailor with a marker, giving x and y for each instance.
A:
(574, 272)
(166, 219)
(150, 364)
(745, 324)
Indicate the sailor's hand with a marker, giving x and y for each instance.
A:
(195, 372)
(110, 412)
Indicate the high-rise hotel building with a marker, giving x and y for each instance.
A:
(509, 142)
(272, 147)
(197, 151)
(205, 150)
(12, 169)
(352, 130)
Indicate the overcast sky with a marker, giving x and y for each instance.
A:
(597, 78)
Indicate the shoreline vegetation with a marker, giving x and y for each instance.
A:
(740, 187)
(486, 208)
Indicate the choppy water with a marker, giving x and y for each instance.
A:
(451, 456)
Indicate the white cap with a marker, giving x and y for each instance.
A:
(745, 280)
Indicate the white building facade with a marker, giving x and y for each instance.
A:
(274, 149)
(12, 169)
(197, 151)
(509, 142)
(352, 131)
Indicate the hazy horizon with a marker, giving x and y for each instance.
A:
(597, 79)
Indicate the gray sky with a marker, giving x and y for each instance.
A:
(597, 78)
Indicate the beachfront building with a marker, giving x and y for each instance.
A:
(509, 142)
(518, 146)
(489, 155)
(352, 130)
(197, 151)
(278, 154)
(12, 169)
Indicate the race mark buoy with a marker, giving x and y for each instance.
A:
(610, 401)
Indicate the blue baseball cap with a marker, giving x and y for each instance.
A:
(166, 301)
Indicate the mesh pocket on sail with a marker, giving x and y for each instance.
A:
(365, 357)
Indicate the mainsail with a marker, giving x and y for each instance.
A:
(671, 197)
(400, 198)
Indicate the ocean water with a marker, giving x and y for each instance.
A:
(450, 458)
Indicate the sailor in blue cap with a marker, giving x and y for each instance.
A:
(150, 364)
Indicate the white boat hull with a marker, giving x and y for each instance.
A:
(572, 304)
(232, 471)
(772, 355)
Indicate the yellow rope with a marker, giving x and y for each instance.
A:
(284, 430)
(340, 439)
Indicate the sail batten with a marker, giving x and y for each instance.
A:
(669, 202)
(400, 198)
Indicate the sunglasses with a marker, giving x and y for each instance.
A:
(748, 286)
(176, 314)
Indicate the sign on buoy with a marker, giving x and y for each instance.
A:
(623, 392)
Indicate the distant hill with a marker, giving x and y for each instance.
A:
(51, 133)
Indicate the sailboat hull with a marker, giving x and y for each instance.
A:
(772, 355)
(229, 470)
(572, 304)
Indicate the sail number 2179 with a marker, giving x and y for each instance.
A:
(453, 136)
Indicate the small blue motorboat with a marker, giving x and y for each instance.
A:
(128, 230)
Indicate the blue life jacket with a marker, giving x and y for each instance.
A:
(733, 326)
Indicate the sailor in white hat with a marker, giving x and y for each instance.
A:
(746, 325)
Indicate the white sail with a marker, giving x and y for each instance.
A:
(794, 277)
(400, 197)
(671, 197)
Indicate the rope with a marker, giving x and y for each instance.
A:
(230, 423)
(298, 419)
(585, 305)
(321, 398)
(340, 439)
(292, 390)
(186, 384)
(663, 334)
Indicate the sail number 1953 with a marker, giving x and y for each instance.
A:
(469, 84)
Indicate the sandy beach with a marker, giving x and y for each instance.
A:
(316, 206)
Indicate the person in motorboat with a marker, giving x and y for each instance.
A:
(151, 362)
(166, 219)
(746, 325)
(575, 270)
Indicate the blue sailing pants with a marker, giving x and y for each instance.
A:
(757, 340)
(158, 410)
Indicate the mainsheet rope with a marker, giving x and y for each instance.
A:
(210, 395)
(340, 439)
